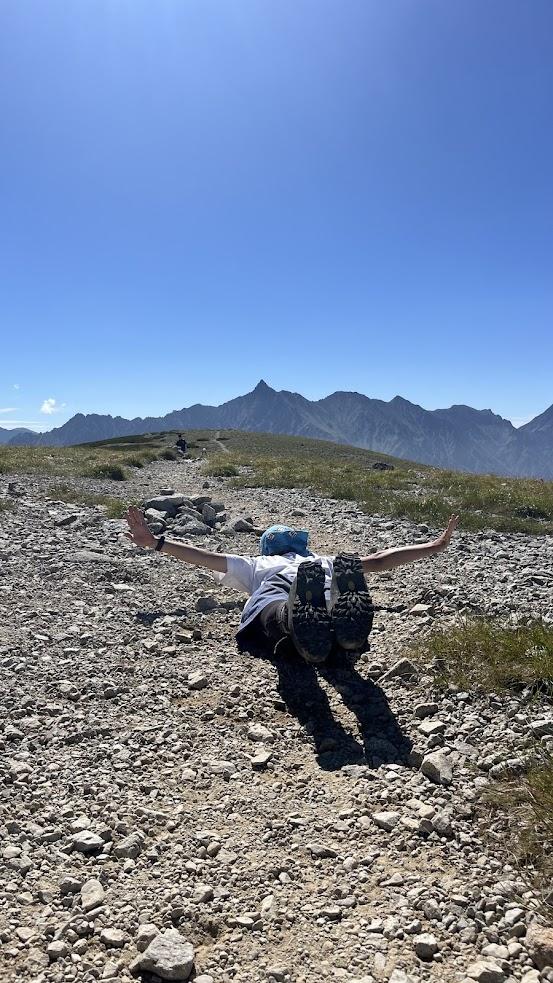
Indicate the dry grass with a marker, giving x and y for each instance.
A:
(410, 490)
(487, 654)
(115, 507)
(518, 811)
(110, 459)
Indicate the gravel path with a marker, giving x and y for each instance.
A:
(160, 788)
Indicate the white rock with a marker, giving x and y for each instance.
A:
(87, 842)
(486, 971)
(197, 679)
(257, 732)
(437, 767)
(169, 956)
(386, 820)
(92, 894)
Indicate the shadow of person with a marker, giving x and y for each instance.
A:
(384, 742)
(381, 740)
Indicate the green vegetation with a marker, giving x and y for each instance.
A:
(407, 490)
(487, 654)
(526, 803)
(109, 470)
(221, 467)
(410, 490)
(115, 507)
(108, 459)
(5, 505)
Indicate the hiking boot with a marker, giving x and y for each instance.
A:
(308, 619)
(350, 603)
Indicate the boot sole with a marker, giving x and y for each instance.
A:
(352, 609)
(311, 622)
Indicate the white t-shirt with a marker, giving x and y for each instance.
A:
(266, 579)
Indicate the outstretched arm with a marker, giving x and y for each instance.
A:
(395, 557)
(140, 534)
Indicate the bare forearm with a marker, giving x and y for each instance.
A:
(396, 557)
(195, 555)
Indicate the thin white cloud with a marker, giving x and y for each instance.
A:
(8, 409)
(16, 386)
(30, 424)
(50, 406)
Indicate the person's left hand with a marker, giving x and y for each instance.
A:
(443, 540)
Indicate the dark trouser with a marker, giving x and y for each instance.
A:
(271, 624)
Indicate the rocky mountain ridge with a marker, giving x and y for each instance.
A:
(458, 437)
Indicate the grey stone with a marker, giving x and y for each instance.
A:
(92, 894)
(113, 938)
(257, 732)
(192, 528)
(85, 841)
(437, 767)
(197, 679)
(146, 934)
(486, 971)
(167, 503)
(209, 515)
(169, 956)
(318, 850)
(202, 893)
(241, 525)
(261, 760)
(207, 603)
(57, 950)
(423, 710)
(539, 942)
(386, 820)
(403, 669)
(129, 847)
(426, 945)
(542, 727)
(431, 727)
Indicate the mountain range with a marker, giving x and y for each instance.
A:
(459, 437)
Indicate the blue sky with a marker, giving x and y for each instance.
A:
(328, 194)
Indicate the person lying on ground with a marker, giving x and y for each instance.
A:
(316, 602)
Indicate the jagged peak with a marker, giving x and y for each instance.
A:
(263, 387)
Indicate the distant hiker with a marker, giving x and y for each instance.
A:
(181, 444)
(313, 601)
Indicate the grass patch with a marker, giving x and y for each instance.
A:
(109, 470)
(6, 505)
(409, 490)
(485, 653)
(221, 467)
(413, 491)
(116, 508)
(522, 806)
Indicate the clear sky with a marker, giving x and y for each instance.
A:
(328, 194)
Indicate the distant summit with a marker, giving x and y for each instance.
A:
(459, 437)
(11, 436)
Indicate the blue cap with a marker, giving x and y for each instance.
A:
(277, 540)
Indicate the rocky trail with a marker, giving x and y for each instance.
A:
(171, 808)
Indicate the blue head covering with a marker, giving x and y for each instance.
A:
(277, 540)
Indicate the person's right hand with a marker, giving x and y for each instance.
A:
(139, 532)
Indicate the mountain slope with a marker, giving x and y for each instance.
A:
(459, 437)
